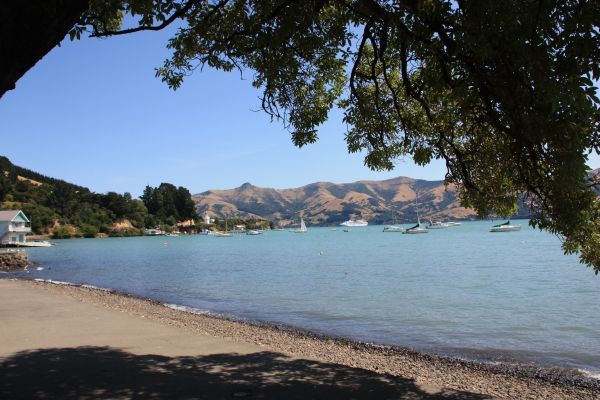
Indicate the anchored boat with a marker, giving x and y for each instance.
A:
(353, 223)
(417, 228)
(302, 227)
(505, 227)
(437, 225)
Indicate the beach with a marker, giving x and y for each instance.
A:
(70, 341)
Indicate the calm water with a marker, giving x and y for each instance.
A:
(459, 291)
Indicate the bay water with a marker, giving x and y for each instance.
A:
(461, 291)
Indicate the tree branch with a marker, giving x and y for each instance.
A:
(177, 14)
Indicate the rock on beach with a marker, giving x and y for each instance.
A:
(13, 260)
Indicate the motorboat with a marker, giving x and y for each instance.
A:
(253, 232)
(354, 223)
(453, 223)
(437, 225)
(505, 227)
(34, 243)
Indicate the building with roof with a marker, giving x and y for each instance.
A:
(207, 219)
(14, 226)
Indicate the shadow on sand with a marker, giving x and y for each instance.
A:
(104, 372)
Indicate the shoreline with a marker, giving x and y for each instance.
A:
(550, 374)
(497, 380)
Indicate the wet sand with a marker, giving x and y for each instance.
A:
(60, 341)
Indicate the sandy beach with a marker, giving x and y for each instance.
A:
(59, 341)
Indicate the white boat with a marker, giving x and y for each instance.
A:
(253, 232)
(393, 228)
(417, 228)
(351, 222)
(505, 227)
(302, 227)
(453, 223)
(171, 234)
(222, 234)
(437, 225)
(34, 243)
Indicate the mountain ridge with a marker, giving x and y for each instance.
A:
(328, 203)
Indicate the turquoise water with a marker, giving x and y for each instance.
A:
(459, 291)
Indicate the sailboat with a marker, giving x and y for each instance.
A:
(302, 227)
(223, 234)
(394, 227)
(505, 227)
(417, 228)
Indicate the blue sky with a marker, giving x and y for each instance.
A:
(92, 113)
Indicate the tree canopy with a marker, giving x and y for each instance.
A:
(169, 204)
(51, 204)
(502, 91)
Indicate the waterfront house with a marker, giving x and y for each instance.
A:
(14, 226)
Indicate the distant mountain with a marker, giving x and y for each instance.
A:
(326, 203)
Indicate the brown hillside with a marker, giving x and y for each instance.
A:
(326, 203)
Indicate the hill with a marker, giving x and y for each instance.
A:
(326, 203)
(64, 210)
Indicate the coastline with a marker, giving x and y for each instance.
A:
(439, 373)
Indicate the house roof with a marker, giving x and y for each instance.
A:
(9, 215)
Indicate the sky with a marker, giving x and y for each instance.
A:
(92, 113)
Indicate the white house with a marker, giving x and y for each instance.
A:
(14, 225)
(207, 219)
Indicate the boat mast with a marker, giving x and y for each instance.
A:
(418, 219)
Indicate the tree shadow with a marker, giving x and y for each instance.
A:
(104, 372)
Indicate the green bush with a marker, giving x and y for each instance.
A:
(88, 231)
(61, 232)
(125, 232)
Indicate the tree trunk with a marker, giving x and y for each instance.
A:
(29, 29)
